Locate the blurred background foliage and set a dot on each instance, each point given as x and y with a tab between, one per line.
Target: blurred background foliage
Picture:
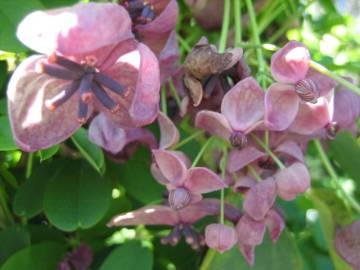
55	199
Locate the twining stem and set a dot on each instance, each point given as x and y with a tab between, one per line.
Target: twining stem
225	26
323	70
223	166
237	19
268	151
201	152
183	43
163	100
334	177
254	173
256	37
206	263
4	206
188	139
29	165
174	93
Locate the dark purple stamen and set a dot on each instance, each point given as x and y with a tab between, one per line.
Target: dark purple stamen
83	111
85	88
140	11
57	72
192	237
63	96
109	83
66	63
173	238
238	139
104	98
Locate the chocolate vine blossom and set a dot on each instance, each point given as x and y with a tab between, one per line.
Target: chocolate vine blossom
180	219
220	237
242	111
296	83
185	185
87	66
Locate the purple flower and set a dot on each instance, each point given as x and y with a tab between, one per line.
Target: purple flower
80	258
220	237
89	66
296	83
242	111
185	185
180	219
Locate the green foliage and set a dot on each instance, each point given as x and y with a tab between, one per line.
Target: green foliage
6	142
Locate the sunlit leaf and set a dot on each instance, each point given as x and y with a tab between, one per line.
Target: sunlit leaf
6	141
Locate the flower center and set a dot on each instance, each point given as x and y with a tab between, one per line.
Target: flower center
84	78
179	198
238	139
307	90
141	12
331	130
192	237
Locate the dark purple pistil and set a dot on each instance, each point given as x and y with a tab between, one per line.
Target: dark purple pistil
238	139
141	12
84	78
192	237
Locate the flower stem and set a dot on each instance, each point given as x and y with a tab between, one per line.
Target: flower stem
268	151
163	100
224	26
323	70
237	19
29	165
174	93
254	173
188	139
223	166
334	177
184	44
201	152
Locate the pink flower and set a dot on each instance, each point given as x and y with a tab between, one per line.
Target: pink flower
89	66
220	237
185	185
296	82
242	111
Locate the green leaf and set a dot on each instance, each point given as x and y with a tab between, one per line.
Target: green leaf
28	200
327	208
49	152
12	239
6	141
76	196
91	152
3	107
58	3
283	255
44	256
130	256
3	75
345	150
11	13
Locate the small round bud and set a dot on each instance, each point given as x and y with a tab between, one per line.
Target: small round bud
220	237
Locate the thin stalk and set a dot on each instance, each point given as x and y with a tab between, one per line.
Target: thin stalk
271	18
183	43
268	151
163	100
223	175
334	177
225	26
188	139
206	263
174	93
237	19
323	70
201	152
29	165
4	206
254	173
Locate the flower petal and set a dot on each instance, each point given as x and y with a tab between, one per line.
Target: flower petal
292	180
250	232
169	134
291	63
346	108
238	159
75	30
156	173
213	122
244	183
275	224
202	180
281	106
243	105
220	237
105	133
34	126
311	117
248	252
169	58
149	215
291	149
236	53
171	166
324	83
260	198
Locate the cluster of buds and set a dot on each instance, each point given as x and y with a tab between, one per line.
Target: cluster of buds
111	73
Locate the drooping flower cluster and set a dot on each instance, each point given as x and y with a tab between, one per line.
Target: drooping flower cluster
106	63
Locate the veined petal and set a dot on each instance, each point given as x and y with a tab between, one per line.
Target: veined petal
260	198
248	252
105	133
346	108
291	63
169	134
250	232
171	166
291	149
202	180
75	30
149	215
213	122
275	224
34	126
244	183
238	159
220	237
281	106
169	58
243	105
292	180
323	83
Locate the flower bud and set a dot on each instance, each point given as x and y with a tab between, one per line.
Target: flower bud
179	198
220	237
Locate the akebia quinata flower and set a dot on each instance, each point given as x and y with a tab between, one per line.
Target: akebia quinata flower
87	66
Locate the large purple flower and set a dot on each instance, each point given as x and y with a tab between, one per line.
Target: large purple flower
242	111
89	66
296	83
